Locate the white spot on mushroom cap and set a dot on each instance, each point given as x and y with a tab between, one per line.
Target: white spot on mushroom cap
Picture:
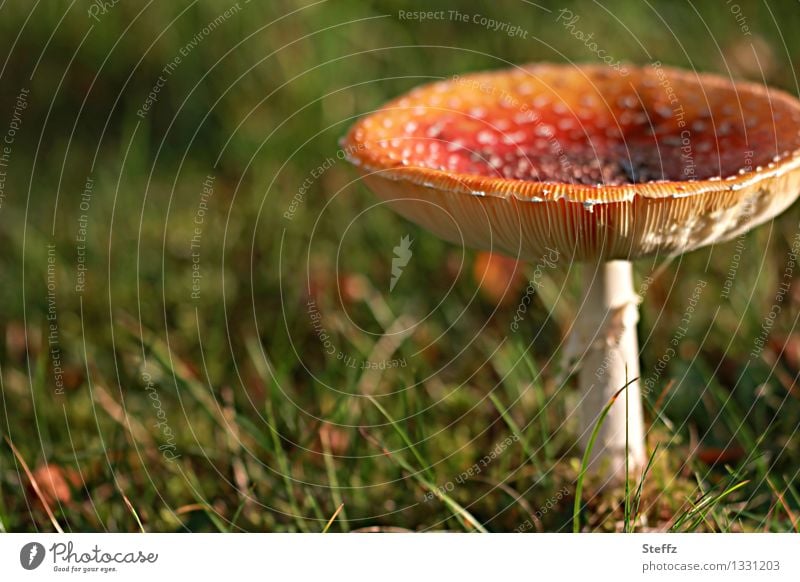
486	137
478	112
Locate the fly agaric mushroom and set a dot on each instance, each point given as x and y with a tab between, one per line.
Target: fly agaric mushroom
602	166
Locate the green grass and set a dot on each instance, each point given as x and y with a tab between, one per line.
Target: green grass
273	433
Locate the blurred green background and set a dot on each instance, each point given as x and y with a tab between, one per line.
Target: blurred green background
134	404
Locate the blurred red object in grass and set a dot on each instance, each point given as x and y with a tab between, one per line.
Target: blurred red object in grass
56	483
498	277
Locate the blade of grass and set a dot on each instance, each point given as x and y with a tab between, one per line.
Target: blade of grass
333	480
283	461
544	429
637	497
460	512
792	490
311	502
333	517
4	521
236	515
698	511
403	436
736	421
202	504
515	430
263	369
35	486
789	513
576	519
133	511
627	508
516	497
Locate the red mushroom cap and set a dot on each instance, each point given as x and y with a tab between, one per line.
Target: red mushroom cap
588	160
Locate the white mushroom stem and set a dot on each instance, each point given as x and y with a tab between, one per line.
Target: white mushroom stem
605	332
